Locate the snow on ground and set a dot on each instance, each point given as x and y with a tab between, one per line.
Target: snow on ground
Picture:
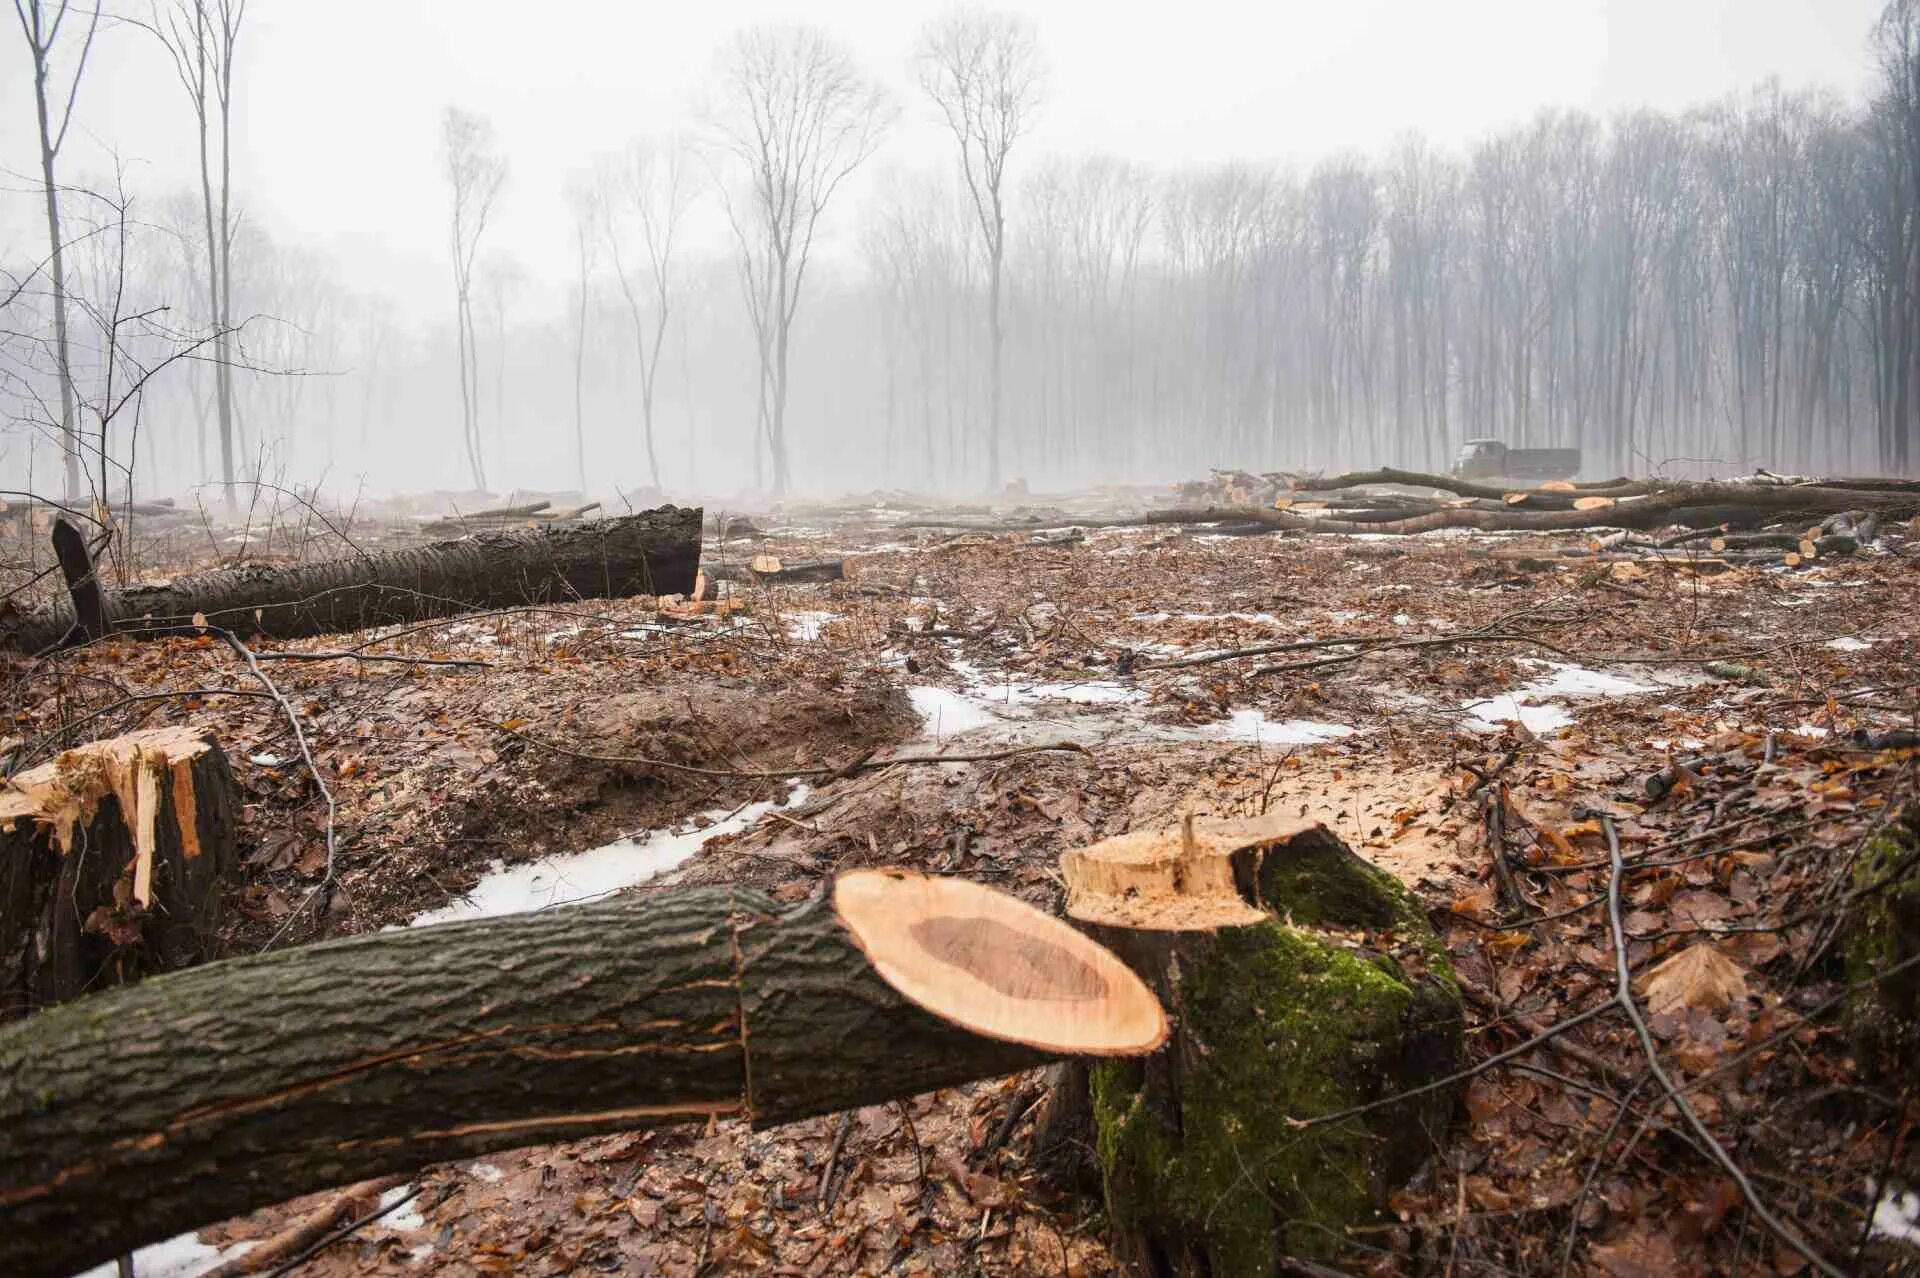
184	1256
596	872
1537	704
1896	1214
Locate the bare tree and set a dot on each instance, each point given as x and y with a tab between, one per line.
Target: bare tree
982	69
587	217
798	118
475	172
202	37
501	280
41	24
648	184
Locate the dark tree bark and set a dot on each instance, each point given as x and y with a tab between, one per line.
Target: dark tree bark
83	588
111	864
146	1111
654	552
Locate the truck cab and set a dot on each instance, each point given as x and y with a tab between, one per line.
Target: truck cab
1480	459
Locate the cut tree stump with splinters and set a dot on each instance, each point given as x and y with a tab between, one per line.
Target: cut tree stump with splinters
1302	982
656	552
139	1113
112	860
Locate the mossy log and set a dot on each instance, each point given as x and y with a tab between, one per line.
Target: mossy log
142	1112
1882	934
112	858
1301	982
653	552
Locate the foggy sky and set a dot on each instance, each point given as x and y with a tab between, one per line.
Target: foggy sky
339	101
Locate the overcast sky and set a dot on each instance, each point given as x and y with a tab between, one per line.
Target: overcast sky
340	100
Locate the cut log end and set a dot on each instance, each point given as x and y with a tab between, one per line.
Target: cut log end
996	965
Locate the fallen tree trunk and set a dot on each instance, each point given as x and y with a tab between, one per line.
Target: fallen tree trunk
770	569
143	1112
112	859
655	552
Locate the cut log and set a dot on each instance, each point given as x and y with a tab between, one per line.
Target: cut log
655	552
999	967
112	859
1302	982
139	1113
772	569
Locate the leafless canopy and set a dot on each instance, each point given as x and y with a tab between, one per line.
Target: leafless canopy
796	117
475	173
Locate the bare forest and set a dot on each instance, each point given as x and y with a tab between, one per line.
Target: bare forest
825	677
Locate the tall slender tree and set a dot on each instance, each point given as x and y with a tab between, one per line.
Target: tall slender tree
646	191
797	118
475	172
42	25
982	70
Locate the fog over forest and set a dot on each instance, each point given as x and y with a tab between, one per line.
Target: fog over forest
822	270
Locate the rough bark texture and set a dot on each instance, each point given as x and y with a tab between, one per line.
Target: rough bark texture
83	588
654	552
1883	936
143	1112
1340	997
111	864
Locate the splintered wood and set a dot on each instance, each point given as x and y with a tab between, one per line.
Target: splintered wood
110	861
1193	878
996	965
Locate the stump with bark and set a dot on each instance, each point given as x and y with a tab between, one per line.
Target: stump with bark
112	859
654	552
138	1113
1302	982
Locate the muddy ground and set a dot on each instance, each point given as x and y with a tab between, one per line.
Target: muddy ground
1569	684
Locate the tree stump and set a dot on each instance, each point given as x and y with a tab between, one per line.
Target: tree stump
1302	982
111	860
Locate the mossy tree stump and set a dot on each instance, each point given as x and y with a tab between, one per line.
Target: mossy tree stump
112	858
1883	932
1301	981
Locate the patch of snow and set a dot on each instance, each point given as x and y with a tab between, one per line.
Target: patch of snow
806	626
266	760
1532	703
184	1256
1848	643
1896	1213
947	713
596	872
405	1217
486	1173
1811	730
1402	619
1254	726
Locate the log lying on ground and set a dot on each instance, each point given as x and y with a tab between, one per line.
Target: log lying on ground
655	552
1302	982
773	569
112	859
143	1112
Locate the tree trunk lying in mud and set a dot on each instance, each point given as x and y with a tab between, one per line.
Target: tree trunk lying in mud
112	859
654	552
138	1113
1301	982
770	569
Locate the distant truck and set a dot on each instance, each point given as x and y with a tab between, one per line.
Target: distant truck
1491	459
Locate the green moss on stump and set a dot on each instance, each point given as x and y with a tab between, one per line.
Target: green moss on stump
1283	1020
1883	931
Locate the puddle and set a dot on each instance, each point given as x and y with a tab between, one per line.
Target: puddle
947	713
597	872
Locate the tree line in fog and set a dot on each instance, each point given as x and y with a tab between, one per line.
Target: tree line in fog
1734	286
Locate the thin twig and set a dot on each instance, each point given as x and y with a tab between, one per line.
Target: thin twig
1623	998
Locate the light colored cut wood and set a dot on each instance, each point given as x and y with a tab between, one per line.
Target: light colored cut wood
1172	880
996	965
